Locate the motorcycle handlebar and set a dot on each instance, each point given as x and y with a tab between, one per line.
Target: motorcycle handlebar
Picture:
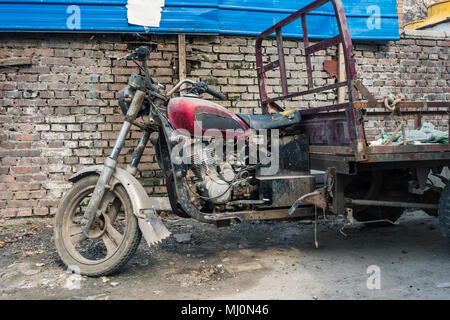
142	53
216	94
128	56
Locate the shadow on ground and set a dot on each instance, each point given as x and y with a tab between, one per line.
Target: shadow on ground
258	260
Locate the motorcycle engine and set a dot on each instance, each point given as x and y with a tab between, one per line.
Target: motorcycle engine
218	181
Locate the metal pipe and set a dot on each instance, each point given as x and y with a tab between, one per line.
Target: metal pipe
380	203
131	115
97	195
110	164
120	140
132	167
178	85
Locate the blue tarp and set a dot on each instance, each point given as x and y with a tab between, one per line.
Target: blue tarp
372	20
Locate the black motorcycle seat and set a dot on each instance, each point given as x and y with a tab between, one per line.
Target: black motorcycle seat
270	121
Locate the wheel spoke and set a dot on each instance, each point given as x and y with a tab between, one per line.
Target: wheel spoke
111	247
110	206
113	211
113	233
76	234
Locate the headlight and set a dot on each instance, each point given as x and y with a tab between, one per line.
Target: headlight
126	94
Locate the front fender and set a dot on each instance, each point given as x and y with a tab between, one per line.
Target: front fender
143	205
139	198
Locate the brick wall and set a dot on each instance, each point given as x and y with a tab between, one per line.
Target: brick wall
61	113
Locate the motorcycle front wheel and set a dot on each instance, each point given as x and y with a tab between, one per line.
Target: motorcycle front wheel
113	238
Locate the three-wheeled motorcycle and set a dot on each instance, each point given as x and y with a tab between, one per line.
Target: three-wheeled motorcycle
223	167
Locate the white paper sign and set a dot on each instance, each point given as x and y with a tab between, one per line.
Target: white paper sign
144	12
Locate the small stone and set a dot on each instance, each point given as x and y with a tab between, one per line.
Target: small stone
249	266
183	237
114	284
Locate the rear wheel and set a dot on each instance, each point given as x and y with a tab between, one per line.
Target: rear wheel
378	185
112	239
172	194
444	212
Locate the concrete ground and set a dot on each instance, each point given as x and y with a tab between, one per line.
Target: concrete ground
259	260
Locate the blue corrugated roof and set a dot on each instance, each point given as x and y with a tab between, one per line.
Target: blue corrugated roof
245	17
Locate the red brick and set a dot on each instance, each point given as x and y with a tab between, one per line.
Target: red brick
25	170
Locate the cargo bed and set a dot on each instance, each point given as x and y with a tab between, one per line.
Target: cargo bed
338	141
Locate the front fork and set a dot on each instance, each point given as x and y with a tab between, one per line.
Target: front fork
110	164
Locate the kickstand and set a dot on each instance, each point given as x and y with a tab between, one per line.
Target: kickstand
316	243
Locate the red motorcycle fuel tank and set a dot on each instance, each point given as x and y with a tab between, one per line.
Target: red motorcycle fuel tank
197	116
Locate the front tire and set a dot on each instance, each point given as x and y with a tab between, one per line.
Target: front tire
113	238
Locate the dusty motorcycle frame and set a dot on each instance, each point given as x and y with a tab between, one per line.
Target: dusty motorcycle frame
344	158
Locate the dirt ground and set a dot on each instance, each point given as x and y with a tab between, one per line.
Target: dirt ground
258	260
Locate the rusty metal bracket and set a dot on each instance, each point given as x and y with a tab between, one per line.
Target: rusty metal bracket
372	102
317	198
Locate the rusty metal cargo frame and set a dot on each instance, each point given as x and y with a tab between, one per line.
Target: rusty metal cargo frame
353	112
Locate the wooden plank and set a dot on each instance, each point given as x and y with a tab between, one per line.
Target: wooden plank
14	61
182	56
437	147
341	73
333	150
